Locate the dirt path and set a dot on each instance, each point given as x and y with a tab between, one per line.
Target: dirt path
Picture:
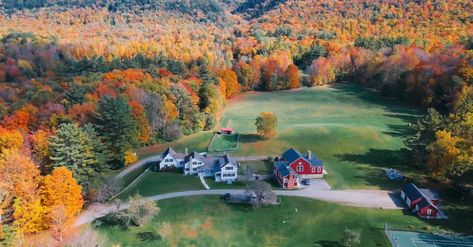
358	198
137	165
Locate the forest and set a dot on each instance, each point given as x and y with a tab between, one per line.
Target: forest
84	83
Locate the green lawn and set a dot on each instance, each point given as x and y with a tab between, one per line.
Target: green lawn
259	166
354	131
153	183
221	143
131	176
206	221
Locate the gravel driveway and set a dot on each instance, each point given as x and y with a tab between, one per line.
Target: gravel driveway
358	198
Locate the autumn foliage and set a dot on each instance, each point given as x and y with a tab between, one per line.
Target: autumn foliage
100	81
60	188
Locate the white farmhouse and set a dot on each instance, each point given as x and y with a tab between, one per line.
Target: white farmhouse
223	168
170	159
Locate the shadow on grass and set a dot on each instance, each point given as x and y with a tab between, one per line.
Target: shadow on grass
396	130
148	236
382	158
396	197
391	104
327	243
250	138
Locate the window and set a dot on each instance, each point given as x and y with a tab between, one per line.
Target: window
429	211
228	168
300	168
313	169
187	169
206	170
194	169
168	160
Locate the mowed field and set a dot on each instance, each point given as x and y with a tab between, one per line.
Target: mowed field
355	132
207	221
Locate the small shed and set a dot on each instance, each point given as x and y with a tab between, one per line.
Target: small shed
226	131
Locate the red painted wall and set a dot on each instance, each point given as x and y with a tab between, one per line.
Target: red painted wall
291	181
414	203
423	211
307	168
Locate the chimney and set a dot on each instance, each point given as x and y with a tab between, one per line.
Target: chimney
309	155
186	151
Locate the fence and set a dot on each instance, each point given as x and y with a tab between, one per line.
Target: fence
255	177
252	158
392	239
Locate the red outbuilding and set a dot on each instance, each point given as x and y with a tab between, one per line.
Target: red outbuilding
226	131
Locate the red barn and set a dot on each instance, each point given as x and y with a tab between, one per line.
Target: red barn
423	202
306	166
413	195
293	166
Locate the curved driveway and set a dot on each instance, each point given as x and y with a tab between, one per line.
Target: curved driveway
358	198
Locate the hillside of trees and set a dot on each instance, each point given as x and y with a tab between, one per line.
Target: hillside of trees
98	79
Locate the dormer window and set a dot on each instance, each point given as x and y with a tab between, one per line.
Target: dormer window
229	168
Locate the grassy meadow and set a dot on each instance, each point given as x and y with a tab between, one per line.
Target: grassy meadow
207	221
223	143
354	131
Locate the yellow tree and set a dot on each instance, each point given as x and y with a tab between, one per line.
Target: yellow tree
231	82
28	215
266	124
60	188
292	74
442	152
19	179
10	139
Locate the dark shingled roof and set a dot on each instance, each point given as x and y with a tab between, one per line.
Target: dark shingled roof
281	166
173	153
291	155
431	194
193	155
168	150
425	202
412	192
225	159
316	162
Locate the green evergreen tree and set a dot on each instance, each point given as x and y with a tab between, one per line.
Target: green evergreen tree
114	121
70	147
101	152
